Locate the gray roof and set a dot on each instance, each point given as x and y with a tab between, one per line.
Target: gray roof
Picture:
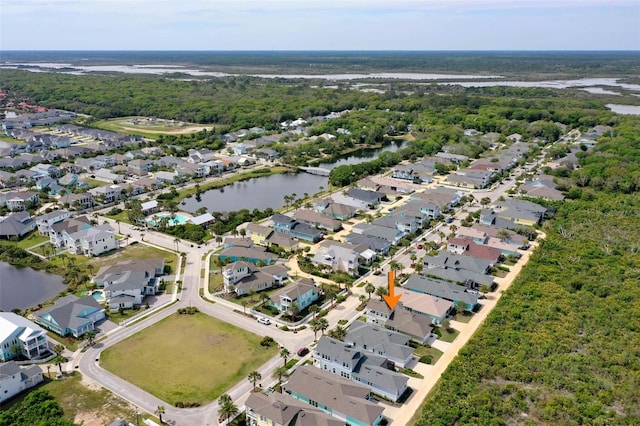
293	291
16	224
460	276
248	253
379	340
374	243
280	218
282	240
442	289
70	312
340	395
364	195
389	234
409	323
287	411
448	260
128	280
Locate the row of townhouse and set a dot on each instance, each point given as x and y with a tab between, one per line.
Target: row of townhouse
313	396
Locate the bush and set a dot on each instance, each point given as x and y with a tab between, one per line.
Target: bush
267	341
425	359
284	328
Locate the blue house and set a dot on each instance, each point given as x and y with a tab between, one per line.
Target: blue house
248	254
71	316
290	226
302	292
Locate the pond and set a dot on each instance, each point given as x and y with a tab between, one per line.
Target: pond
258	193
25	287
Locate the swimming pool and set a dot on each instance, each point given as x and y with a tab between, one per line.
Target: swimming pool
177	220
98	295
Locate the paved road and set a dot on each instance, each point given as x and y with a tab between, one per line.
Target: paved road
224	310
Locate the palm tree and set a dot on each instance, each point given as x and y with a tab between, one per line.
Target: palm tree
254	377
160	411
395	266
382	291
59	360
279	373
293	310
362	298
118	223
503	235
314	310
224	398
284	353
176	241
91	335
338	333
142	236
324	324
369	288
227	408
315	327
244	302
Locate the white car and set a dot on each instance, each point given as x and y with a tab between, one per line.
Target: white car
263	320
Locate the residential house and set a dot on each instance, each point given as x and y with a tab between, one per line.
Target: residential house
162	177
14	379
521	212
390	185
455	158
277	409
237	242
126	284
150	207
71	316
47	220
371	198
467	247
106	194
398	222
20	337
441	289
70	225
301	292
377	244
19	201
445	198
91	242
335	210
283	241
432	309
338	397
16	225
392	235
258	234
204	219
242	278
470	279
317	220
448	260
79	201
338	258
290	226
507	236
414	172
380	341
373	371
248	254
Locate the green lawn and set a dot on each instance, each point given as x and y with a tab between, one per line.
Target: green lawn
434	353
447	336
30	240
187	358
94	183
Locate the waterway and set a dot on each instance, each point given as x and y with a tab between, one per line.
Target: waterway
269	191
25	287
258	193
624	109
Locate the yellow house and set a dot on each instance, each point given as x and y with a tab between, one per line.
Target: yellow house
259	234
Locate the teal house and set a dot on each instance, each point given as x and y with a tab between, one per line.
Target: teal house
340	398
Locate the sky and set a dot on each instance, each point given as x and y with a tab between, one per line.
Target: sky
320	25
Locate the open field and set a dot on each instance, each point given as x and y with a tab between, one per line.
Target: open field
164	366
124	125
85	403
33	239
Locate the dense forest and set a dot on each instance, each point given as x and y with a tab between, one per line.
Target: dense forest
504	62
563	344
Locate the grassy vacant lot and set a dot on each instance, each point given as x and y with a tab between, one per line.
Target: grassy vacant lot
31	240
122	125
187	358
87	404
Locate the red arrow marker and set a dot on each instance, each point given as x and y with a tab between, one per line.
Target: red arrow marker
391	299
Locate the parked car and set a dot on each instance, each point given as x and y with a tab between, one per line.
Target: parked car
303	351
419	246
449	219
263	320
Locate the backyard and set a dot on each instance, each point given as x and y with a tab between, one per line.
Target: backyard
164	366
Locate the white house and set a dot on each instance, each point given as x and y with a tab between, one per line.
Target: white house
91	242
45	221
14	379
21	337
